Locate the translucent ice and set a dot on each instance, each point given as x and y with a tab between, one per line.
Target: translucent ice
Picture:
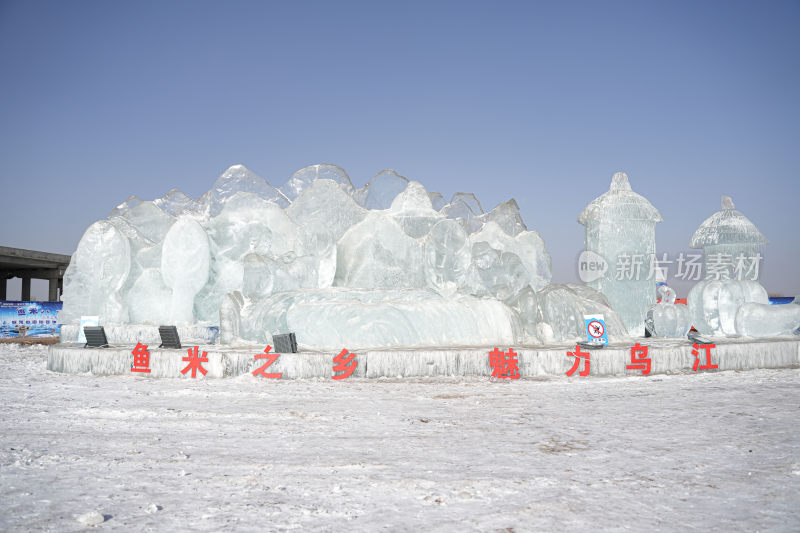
377	254
97	271
666	318
324	207
470	200
247	224
465	211
562	308
447	257
125	206
250	221
620	227
144	252
413	210
713	304
496	274
507	216
730	244
765	320
258	280
527	245
236	179
150	222
185	260
333	318
381	190
437	200
526	305
389	246
148	298
176	203
303	178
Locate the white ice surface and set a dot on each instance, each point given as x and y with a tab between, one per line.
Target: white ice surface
699	452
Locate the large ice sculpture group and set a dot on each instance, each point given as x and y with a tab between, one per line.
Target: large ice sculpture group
387	265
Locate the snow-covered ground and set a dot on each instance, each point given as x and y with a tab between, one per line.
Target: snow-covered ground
687	452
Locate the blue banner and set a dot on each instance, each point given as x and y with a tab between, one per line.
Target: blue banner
29	319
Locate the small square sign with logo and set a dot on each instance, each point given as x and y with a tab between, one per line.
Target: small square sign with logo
596	329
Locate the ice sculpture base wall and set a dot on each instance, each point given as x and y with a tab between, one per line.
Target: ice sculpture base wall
667	355
146	334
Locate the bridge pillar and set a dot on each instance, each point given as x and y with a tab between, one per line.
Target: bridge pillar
26	289
52	295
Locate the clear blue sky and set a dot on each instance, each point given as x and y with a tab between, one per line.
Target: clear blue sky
540	101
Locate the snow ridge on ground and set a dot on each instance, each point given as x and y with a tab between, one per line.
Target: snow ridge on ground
711	452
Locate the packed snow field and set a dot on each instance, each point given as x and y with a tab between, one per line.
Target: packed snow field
714	451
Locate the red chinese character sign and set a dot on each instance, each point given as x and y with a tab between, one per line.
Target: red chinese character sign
504	364
696	353
639	359
345	362
271	358
579	355
141	358
195	362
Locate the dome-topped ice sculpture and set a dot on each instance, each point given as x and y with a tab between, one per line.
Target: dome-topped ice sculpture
620	227
730	243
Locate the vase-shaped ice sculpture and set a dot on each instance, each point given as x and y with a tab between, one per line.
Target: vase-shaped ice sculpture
620	227
730	244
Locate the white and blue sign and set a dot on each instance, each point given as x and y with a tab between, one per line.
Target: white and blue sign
29	319
596	329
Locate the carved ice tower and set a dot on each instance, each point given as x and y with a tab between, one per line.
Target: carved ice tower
730	244
620	227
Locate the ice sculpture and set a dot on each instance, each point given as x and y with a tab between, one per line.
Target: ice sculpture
305	177
377	254
729	308
507	216
386	265
561	309
765	320
333	318
238	179
147	299
713	304
176	203
527	245
495	274
413	210
447	257
666	318
97	271
325	207
381	191
184	267
125	206
730	244
620	227
437	200
466	209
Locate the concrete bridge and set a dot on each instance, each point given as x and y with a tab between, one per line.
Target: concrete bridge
29	264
